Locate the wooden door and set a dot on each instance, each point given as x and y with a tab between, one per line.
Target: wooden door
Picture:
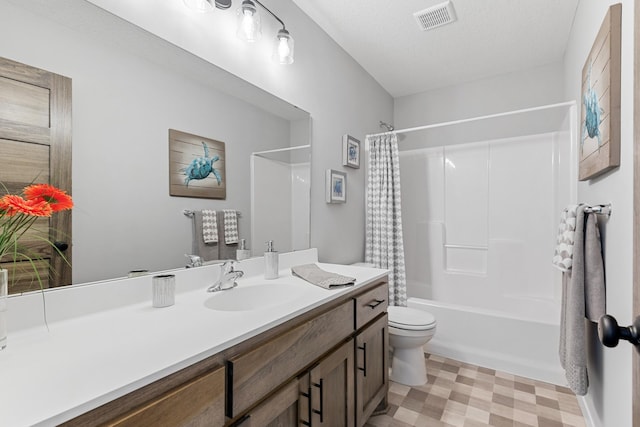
35	147
372	347
332	389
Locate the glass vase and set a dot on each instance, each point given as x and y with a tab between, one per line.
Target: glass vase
4	288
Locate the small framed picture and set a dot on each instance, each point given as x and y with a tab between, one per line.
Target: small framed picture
336	186
350	152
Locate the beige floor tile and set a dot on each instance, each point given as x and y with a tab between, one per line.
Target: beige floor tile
406	415
462	395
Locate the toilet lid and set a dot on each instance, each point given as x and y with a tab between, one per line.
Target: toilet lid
410	318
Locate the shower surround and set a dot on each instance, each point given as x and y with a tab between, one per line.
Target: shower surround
480	220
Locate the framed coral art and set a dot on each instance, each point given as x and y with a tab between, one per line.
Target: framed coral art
196	166
336	186
599	145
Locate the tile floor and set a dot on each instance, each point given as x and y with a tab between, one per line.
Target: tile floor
462	395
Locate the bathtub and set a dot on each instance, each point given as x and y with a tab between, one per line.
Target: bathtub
495	340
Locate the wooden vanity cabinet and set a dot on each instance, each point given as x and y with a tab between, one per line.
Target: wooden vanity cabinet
282	408
199	402
372	367
332	391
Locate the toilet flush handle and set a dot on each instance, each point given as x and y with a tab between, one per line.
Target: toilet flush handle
610	333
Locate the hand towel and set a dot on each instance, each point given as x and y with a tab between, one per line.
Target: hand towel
582	296
209	226
563	256
207	252
594	281
230	226
314	274
226	250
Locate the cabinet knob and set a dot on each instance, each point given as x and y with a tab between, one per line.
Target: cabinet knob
610	333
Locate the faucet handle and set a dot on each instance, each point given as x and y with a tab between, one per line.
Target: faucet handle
194	260
228	266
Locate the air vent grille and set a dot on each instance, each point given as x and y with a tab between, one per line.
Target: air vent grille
435	16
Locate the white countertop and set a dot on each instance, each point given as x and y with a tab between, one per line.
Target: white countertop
89	358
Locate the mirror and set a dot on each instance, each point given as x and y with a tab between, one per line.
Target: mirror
129	88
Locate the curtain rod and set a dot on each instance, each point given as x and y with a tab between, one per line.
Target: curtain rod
473	119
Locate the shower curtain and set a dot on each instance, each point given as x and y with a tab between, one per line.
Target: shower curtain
384	246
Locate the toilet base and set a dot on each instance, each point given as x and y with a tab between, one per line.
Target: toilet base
408	366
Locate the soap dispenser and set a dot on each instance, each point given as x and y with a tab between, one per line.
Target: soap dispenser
270	262
242	252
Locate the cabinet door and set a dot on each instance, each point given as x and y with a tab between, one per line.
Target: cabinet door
279	410
372	347
332	389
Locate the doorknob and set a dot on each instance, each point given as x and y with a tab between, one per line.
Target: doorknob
610	333
61	246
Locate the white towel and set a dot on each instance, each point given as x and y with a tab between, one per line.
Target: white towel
563	256
230	226
209	227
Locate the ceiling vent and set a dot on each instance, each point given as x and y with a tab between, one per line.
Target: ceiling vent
436	16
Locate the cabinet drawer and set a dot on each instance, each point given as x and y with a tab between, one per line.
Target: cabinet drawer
371	303
199	402
253	375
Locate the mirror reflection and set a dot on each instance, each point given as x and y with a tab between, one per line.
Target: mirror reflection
129	88
280	198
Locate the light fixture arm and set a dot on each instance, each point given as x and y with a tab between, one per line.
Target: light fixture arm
271	13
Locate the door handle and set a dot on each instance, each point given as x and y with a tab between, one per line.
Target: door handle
61	246
610	333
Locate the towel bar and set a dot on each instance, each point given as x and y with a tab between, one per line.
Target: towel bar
190	213
599	209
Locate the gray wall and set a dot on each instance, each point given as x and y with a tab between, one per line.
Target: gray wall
506	92
609	398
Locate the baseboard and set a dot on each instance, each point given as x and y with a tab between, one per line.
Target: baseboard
587	412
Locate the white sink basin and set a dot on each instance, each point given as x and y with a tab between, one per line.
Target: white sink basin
254	297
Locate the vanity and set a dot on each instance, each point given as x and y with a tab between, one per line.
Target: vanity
278	352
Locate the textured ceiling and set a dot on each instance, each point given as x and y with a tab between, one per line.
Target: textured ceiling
490	37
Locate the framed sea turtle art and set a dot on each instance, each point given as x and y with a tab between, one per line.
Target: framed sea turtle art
196	166
599	133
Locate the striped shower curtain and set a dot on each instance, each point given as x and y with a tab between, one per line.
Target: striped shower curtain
384	246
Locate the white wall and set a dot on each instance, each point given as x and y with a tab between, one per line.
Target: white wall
609	396
324	80
505	92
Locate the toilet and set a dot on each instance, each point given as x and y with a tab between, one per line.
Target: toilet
409	330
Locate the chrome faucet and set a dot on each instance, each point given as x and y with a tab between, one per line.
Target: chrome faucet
228	277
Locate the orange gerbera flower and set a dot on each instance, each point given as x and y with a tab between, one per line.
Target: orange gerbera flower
13	205
57	199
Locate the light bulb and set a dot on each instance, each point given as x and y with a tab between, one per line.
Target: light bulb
248	22
283	50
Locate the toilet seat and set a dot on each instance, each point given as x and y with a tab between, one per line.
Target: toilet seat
410	319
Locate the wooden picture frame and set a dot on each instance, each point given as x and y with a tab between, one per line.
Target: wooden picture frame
196	166
350	152
599	144
336	186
